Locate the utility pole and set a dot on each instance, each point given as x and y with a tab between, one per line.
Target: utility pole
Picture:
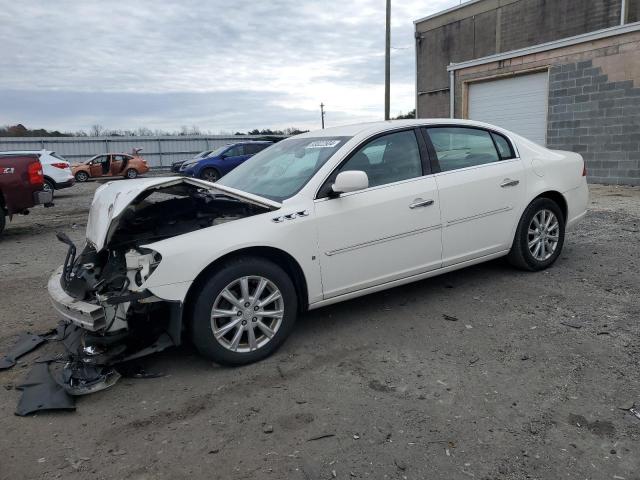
322	114
387	64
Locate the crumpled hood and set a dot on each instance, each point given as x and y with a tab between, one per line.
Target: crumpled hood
111	199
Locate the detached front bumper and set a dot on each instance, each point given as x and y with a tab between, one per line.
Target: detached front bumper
89	316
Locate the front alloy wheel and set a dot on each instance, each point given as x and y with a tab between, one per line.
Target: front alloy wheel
82	177
243	311
247	314
210	175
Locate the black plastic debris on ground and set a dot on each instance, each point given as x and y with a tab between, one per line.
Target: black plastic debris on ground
41	392
82	369
25	344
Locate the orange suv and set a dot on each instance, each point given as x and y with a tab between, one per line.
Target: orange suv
110	165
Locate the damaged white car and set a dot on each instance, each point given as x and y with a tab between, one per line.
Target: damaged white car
315	219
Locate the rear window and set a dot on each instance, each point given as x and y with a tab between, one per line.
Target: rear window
505	150
59	157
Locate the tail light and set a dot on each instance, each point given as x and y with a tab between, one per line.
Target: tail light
34	172
61	165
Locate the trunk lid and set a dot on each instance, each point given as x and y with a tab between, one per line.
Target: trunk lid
111	200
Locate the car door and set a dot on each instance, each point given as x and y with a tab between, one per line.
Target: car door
386	232
117	164
95	167
480	184
234	157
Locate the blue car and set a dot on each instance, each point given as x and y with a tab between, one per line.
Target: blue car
222	160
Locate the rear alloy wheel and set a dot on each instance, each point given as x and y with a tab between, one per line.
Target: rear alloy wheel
132	173
539	237
210	175
244	312
82	177
48	187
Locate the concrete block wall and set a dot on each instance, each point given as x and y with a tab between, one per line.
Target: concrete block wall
598	117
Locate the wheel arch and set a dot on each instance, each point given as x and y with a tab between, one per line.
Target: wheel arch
275	255
211	166
558	198
48	178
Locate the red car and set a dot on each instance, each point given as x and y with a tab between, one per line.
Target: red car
21	185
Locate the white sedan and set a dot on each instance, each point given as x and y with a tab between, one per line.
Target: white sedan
312	220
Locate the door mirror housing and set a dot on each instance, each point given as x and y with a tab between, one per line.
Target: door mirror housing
350	181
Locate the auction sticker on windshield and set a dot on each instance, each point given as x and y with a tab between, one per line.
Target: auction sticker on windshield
323	144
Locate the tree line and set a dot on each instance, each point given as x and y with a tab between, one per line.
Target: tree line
20	130
98	130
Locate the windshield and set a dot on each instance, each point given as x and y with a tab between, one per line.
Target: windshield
202	154
280	171
217	151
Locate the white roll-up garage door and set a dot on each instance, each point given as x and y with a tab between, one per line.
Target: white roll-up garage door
517	103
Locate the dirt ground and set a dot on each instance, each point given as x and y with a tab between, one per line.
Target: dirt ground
526	376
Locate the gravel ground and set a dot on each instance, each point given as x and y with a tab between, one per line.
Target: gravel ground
483	373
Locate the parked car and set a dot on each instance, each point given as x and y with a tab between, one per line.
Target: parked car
56	169
21	185
316	219
110	165
175	166
222	160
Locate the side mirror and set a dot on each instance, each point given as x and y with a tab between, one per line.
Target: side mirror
350	181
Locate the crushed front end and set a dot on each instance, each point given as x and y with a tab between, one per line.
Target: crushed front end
101	291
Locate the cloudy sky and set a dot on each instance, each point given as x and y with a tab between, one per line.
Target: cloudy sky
219	65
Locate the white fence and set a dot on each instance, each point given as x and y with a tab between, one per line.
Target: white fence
159	151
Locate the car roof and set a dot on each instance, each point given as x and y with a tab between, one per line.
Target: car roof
32	152
382	126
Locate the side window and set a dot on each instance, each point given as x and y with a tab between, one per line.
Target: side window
250	149
235	151
388	159
460	147
505	150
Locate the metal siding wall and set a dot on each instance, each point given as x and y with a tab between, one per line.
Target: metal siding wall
159	151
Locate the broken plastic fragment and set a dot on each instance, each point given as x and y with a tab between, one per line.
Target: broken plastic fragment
26	343
41	392
81	378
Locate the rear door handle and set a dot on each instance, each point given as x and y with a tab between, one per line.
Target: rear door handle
421	203
509	183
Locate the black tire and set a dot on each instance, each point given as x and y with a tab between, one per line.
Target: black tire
520	255
3	220
201	322
49	187
82	177
131	173
210	175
